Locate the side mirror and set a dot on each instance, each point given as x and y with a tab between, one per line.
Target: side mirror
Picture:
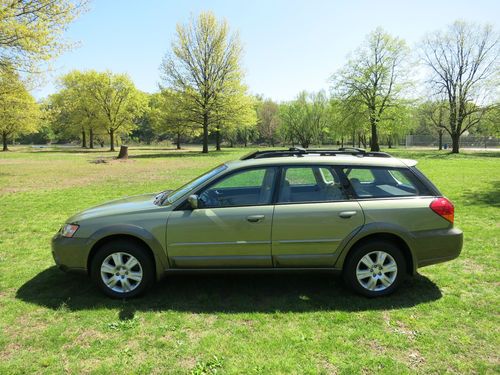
193	201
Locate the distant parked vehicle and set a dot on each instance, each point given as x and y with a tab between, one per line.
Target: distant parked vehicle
373	217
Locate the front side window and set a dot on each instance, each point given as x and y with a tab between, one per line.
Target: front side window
246	188
379	182
310	184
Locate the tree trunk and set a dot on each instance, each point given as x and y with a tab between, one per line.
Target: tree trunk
440	145
353	138
205	133
389	142
246	142
374	146
111	140
84	139
455	139
91	138
217	139
123	154
4	140
178	141
304	144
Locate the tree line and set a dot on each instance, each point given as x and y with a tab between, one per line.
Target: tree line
202	96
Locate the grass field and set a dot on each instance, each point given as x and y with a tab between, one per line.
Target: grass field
444	320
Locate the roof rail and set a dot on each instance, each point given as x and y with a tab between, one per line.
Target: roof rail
299	152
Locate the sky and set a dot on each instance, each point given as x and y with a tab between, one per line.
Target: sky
289	46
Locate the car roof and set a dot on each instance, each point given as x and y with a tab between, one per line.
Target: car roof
308	159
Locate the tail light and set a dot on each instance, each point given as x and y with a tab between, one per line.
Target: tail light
444	208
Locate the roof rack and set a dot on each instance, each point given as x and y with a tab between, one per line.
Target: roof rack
299	152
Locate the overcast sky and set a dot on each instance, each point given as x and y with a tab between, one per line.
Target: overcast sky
289	45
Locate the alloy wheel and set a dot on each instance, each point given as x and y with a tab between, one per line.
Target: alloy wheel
121	272
376	271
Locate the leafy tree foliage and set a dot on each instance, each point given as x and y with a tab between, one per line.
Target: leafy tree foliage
374	77
118	102
462	62
74	109
97	102
31	30
204	68
304	119
268	121
19	113
169	117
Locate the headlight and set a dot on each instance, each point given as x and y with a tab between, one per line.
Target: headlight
68	230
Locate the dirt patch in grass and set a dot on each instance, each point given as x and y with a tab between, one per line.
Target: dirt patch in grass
10	350
414	359
187	363
327	367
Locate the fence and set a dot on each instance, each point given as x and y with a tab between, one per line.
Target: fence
465	141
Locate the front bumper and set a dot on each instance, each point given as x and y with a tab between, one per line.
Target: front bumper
437	246
70	254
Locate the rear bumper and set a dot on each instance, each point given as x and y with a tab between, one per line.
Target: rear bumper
436	246
70	254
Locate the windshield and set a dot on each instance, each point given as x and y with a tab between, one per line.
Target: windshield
176	194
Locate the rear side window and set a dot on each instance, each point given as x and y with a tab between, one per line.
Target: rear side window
310	184
378	182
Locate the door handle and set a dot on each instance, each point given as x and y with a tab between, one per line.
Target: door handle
255	218
347	214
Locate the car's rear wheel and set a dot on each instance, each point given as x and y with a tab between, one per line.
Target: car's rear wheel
375	268
122	269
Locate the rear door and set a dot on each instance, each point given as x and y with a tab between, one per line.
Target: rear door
312	217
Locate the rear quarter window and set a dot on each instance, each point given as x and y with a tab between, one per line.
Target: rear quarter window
381	182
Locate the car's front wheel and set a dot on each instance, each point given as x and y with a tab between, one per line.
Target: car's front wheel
375	268
122	269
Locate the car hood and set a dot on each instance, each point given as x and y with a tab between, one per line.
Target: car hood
128	205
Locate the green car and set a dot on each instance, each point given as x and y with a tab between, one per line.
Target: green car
373	217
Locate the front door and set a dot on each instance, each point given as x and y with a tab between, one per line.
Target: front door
232	226
312	217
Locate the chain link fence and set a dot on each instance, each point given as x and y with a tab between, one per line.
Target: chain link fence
465	141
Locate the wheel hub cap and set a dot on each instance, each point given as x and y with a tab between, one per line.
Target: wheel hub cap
376	271
121	272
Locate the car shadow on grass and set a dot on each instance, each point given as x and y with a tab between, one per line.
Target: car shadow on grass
485	197
224	293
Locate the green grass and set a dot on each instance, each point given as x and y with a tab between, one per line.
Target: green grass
444	320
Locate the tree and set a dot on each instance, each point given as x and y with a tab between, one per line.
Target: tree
461	62
435	112
397	121
74	108
374	77
304	119
268	121
117	100
19	113
349	118
236	115
168	116
30	30
204	67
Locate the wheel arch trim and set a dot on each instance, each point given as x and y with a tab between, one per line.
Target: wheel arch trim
136	232
386	231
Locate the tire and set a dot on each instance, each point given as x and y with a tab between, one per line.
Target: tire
383	276
122	269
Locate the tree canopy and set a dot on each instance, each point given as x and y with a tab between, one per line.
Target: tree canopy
374	77
204	69
463	64
31	31
19	113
